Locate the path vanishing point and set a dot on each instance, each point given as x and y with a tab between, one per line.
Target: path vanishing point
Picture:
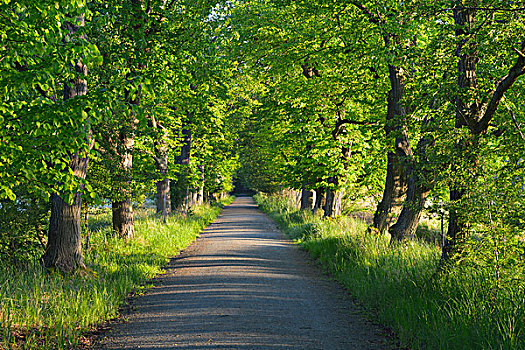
242	285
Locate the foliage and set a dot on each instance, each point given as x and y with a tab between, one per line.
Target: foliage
41	310
279	95
37	56
23	224
464	308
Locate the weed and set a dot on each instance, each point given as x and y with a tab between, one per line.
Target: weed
51	311
400	285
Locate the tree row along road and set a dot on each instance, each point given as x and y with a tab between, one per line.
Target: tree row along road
242	286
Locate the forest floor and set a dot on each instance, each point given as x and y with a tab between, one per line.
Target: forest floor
242	285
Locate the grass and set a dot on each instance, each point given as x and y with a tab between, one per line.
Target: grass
50	311
401	286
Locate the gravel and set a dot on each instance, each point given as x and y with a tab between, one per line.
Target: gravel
242	285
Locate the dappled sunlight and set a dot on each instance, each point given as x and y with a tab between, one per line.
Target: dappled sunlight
242	286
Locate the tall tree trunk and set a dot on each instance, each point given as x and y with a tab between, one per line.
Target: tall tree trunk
395	183
333	204
163	186
329	203
319	199
338	203
200	189
306	199
122	218
458	228
406	225
184	160
122	208
163	200
475	109
331	199
163	197
466	109
64	246
395	188
418	187
456	233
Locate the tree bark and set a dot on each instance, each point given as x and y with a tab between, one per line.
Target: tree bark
163	197
457	232
184	160
319	199
406	225
338	203
306	199
395	187
331	206
419	185
466	109
329	203
200	189
122	218
395	182
64	246
163	200
122	207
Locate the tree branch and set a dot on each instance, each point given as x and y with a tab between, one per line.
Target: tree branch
516	123
341	122
502	86
371	17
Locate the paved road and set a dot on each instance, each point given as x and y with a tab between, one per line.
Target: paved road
241	285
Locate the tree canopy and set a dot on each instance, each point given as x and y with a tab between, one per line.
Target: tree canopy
401	107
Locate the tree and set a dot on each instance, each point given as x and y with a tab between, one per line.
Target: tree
477	102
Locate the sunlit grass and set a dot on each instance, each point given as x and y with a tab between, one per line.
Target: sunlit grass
50	311
402	287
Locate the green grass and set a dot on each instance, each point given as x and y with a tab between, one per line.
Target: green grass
400	285
50	311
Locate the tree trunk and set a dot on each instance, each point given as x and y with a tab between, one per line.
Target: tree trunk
184	160
200	189
123	218
466	109
333	203
395	183
457	230
306	199
163	197
395	189
319	199
163	186
474	109
338	203
64	246
163	200
330	208
418	187
329	203
406	225
122	208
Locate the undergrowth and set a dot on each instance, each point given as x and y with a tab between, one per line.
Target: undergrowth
51	311
401	285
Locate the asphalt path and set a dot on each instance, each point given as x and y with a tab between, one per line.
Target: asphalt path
242	285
